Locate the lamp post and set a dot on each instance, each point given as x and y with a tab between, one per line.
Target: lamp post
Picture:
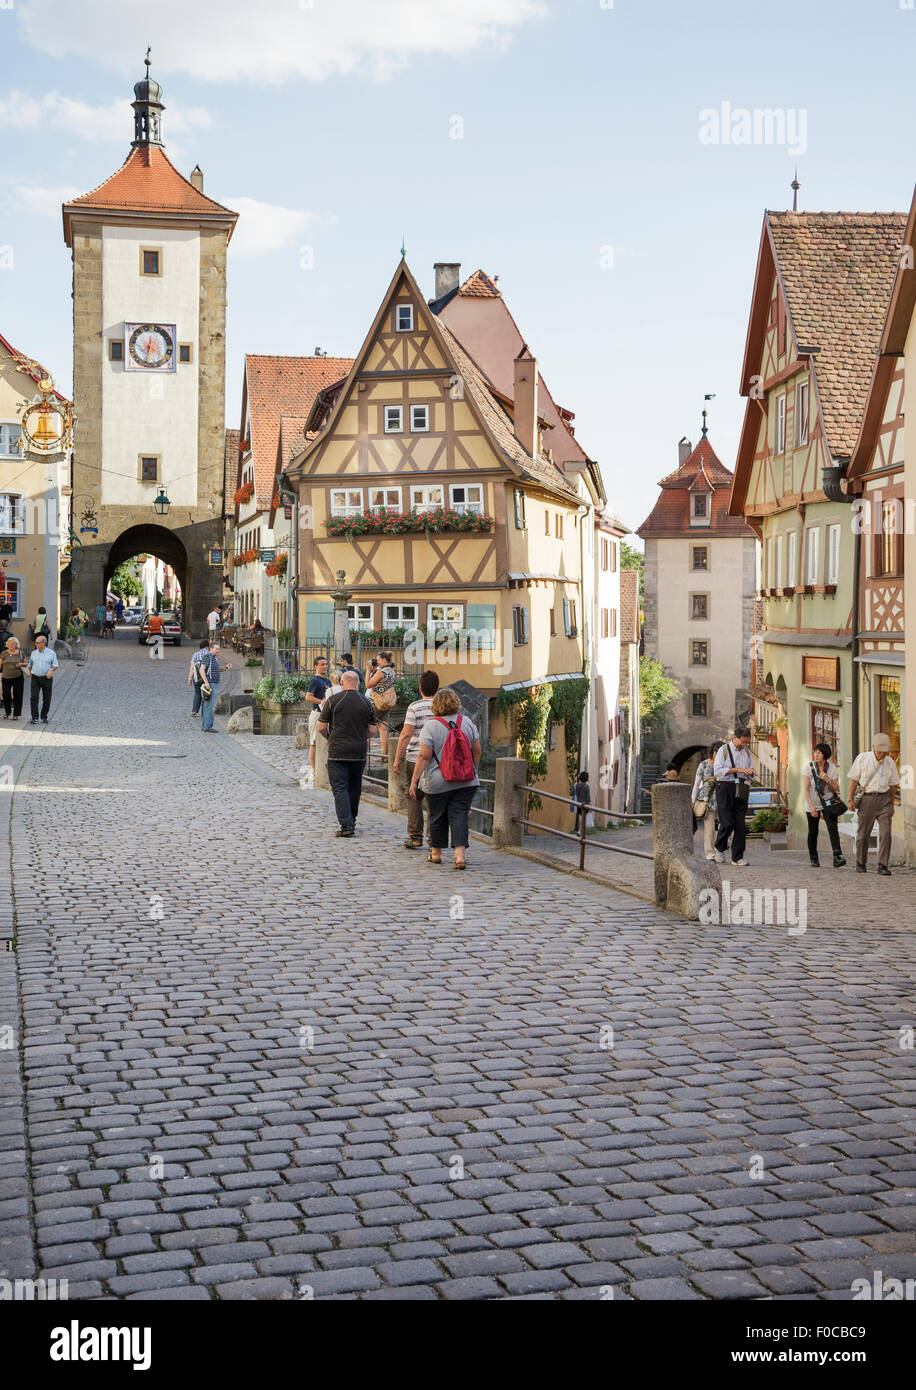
292	554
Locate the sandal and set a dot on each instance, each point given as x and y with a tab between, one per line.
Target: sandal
461	864
431	860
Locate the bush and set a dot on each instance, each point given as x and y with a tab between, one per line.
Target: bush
772	818
265	688
254	661
289	689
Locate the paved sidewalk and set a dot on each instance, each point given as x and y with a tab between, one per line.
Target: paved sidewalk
261	1062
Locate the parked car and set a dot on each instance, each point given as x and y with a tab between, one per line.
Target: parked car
171	629
762	797
132	615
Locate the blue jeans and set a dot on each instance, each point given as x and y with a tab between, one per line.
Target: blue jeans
195	699
207	707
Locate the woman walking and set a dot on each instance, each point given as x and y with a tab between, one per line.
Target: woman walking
12	665
822	787
449	801
704	795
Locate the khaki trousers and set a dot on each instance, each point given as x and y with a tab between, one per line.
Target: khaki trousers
875	806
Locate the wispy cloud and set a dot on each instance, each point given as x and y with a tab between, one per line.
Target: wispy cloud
264	227
273	41
53	111
43	201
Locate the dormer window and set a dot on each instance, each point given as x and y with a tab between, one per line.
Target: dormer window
700	508
403	318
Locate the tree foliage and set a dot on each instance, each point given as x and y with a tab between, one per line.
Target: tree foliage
124	582
656	692
632	559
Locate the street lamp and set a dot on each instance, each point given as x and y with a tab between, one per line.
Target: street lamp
162	503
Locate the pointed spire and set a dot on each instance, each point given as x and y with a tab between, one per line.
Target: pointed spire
148	109
403	246
795	186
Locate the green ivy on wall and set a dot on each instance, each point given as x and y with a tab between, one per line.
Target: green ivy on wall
567	705
529	713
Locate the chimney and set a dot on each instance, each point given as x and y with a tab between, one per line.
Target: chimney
197	178
526	401
448	277
684	450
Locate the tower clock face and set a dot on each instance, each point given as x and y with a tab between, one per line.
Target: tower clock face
151	347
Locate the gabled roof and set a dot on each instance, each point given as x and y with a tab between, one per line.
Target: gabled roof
281	386
836	270
890	346
491	415
147	181
701	471
29	371
230	469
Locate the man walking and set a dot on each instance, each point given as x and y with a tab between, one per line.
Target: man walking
415	717
12	665
42	664
154	629
213	622
872	779
734	771
315	696
209	671
347	721
194	676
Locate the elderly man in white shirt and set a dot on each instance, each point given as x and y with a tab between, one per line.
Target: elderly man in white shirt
874	776
733	766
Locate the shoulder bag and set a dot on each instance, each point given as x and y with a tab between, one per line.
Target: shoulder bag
833	806
742	789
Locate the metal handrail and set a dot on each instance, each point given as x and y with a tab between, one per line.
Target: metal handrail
583	805
581	841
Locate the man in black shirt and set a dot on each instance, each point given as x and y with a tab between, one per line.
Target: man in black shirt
347	721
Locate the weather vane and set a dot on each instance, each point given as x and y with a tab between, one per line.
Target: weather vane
710	396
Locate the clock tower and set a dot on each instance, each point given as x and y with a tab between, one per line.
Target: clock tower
149	355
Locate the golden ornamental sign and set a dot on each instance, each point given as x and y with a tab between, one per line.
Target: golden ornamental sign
46	420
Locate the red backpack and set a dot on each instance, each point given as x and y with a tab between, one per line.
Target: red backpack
457	761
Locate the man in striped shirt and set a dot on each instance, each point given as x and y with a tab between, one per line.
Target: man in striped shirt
415	717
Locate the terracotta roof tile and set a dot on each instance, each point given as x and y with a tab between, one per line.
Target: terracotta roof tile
671	514
837	269
629	606
147	181
480	286
282	386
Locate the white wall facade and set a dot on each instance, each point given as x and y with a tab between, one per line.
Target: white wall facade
607	666
150	412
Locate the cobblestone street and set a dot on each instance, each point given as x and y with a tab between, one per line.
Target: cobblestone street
259	1061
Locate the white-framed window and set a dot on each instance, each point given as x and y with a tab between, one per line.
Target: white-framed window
801	413
519	499
384	499
346	501
779	562
570	625
445	617
10	436
360	616
769	563
833	554
466	497
419	419
394	419
812	551
13	588
403	318
428	497
791	560
700	509
520	627
12	520
781	424
400	615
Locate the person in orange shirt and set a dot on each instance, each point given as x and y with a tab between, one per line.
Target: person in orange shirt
155	627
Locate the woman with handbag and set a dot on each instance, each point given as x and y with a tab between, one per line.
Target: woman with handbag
703	799
380	686
823	803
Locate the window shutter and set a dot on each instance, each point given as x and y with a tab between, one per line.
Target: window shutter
319	622
524	625
566	623
481	618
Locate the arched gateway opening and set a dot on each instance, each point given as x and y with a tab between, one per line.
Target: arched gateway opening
152	540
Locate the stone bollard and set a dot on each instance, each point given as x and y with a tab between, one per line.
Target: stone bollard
397	781
302	733
508	803
321	763
679	877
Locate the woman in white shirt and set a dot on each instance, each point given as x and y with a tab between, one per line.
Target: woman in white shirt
822	783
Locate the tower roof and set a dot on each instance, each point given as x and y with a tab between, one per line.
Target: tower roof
147	182
701	471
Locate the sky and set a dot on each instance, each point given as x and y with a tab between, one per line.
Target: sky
590	153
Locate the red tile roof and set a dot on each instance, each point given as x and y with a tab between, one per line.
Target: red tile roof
147	181
670	516
837	270
480	286
30	371
277	387
629	606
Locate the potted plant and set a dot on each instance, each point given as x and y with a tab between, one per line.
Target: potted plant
770	822
251	673
281	703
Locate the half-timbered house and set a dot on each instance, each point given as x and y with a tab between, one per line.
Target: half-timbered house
820	296
881	479
436	499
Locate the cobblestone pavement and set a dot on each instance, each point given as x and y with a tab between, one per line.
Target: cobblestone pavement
835	897
261	1062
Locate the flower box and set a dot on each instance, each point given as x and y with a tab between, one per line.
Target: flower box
244	494
278	717
245	557
391	523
